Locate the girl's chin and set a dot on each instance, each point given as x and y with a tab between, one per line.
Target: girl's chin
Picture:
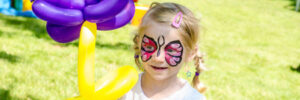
160	76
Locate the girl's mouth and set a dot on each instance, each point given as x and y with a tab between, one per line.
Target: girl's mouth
159	68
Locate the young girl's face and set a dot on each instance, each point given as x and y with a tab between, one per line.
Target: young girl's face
162	51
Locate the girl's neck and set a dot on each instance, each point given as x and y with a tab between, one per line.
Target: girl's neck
157	88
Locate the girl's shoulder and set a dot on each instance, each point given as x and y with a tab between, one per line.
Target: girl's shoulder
191	93
186	93
136	93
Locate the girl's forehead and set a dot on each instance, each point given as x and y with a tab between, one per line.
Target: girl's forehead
155	30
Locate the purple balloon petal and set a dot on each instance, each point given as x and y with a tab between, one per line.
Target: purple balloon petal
57	15
65	17
120	20
63	34
89	2
55	2
104	10
73	4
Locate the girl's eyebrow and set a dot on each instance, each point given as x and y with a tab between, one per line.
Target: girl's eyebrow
175	42
149	37
164	43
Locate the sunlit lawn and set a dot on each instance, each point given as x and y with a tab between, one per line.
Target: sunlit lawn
250	46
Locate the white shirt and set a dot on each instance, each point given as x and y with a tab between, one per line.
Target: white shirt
187	92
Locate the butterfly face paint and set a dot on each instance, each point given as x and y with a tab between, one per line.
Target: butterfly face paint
148	48
173	53
173	50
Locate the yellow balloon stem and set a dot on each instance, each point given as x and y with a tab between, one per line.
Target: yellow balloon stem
113	85
86	59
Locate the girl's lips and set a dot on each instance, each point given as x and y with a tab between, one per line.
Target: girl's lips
159	68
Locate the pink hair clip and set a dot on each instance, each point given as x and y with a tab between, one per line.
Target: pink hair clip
175	23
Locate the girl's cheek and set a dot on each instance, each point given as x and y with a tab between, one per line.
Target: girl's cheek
146	53
168	59
176	59
145	56
171	60
174	53
179	49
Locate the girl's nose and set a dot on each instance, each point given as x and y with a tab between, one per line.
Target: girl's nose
159	57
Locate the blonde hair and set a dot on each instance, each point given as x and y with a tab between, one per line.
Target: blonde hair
189	30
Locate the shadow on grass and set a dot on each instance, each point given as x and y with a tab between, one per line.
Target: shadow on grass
34	25
1	32
38	28
5	95
9	57
297	69
292	5
6	33
120	45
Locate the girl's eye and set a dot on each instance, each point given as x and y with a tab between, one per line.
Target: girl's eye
170	50
149	48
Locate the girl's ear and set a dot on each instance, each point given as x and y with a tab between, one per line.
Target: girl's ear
192	54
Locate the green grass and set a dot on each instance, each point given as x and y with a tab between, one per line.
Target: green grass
250	46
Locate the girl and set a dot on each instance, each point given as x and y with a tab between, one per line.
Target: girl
167	38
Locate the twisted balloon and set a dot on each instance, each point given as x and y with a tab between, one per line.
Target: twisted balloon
65	17
69	19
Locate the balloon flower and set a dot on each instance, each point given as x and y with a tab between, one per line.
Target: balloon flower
68	20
